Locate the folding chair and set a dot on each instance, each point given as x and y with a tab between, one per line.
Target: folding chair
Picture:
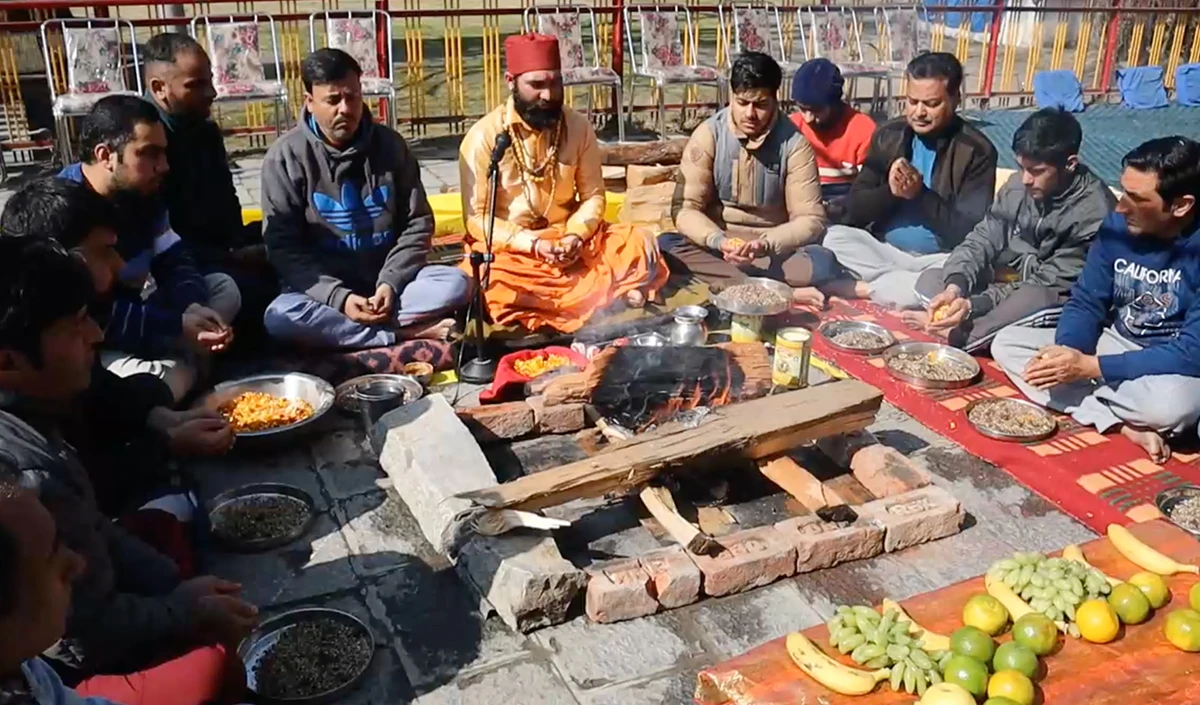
835	36
759	28
356	32
237	60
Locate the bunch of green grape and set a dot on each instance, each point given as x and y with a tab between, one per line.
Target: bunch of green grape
1052	586
883	641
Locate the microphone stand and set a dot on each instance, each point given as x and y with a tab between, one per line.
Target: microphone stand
482	368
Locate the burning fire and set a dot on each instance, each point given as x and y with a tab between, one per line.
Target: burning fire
639	387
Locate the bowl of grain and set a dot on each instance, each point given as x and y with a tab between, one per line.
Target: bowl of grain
1181	505
275	406
307	656
755	296
1013	420
859	337
930	365
261	516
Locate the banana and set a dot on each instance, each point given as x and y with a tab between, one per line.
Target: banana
1075	553
1143	555
1017	608
930	641
829	673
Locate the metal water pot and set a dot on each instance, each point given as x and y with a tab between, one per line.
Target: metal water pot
689	327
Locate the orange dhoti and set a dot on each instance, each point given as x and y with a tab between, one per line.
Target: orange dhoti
616	260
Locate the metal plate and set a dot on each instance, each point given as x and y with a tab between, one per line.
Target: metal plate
347	402
266	634
833	328
942	352
725	303
1029	438
260	489
1168	500
292	385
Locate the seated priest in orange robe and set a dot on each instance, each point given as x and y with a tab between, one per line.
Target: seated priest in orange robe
557	263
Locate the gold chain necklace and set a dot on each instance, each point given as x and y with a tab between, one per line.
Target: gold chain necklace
537	174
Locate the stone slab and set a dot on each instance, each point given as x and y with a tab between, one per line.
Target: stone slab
382	534
562	418
886	472
914	517
293	467
430	457
675	579
751	559
672	689
619	590
499	422
820	544
523	576
523	683
739	623
345	464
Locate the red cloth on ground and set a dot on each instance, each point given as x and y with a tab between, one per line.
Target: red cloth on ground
531	52
510	384
842	143
166	534
205	675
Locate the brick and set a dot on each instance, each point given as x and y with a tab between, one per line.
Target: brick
675	578
751	559
563	418
498	422
841	448
619	590
915	517
820	544
886	472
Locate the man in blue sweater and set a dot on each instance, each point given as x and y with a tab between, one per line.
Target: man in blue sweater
1126	353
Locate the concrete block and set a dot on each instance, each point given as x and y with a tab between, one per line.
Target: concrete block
523	576
751	559
498	422
430	457
619	590
675	578
886	472
820	544
915	517
637	175
563	418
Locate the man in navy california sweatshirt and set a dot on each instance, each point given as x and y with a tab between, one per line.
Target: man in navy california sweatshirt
1126	353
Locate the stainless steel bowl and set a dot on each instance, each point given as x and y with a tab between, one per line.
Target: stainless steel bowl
724	302
292	385
1013	437
833	328
266	634
346	393
259	489
940	352
649	340
1169	499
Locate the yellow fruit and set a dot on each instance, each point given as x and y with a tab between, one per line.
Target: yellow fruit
1144	556
1194	597
1097	621
930	641
833	675
969	641
985	613
1012	685
1182	629
1036	632
1017	608
1130	604
967	672
946	694
1153	587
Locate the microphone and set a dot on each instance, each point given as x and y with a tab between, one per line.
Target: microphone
503	142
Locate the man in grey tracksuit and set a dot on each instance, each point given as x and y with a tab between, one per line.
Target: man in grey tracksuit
1019	262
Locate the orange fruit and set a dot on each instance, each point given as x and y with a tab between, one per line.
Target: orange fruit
1130	603
969	674
1153	587
1036	632
1097	621
1182	629
1011	656
985	613
973	642
1012	685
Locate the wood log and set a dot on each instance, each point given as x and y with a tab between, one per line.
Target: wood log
567	389
799	483
663	152
661	504
756	429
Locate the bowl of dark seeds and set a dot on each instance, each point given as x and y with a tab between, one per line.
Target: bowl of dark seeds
307	656
261	516
1011	420
756	296
857	336
1182	506
930	365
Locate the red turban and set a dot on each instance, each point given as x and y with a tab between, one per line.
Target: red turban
531	52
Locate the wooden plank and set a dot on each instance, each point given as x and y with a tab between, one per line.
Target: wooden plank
645	153
661	505
799	483
1139	667
849	489
756	429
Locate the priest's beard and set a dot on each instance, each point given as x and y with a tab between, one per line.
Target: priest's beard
538	114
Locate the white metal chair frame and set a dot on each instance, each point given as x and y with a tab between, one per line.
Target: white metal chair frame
639	68
378	16
62	135
878	76
532	13
280	99
884	17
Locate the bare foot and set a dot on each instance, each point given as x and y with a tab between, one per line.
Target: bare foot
439	330
635	299
915	319
1150	442
808	296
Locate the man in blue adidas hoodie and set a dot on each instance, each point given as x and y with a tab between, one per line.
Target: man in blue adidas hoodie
348	226
1126	353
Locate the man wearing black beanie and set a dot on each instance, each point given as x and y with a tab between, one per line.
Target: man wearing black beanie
839	134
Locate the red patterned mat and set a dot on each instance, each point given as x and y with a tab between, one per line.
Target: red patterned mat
1098	479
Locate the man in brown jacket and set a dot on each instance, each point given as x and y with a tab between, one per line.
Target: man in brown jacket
749	198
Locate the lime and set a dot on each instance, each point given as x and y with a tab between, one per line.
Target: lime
985	613
1011	656
1194	597
1097	621
1130	603
973	642
1012	685
1153	587
1182	629
998	701
968	673
1036	632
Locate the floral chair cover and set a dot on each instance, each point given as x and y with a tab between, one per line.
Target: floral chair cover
575	68
357	37
758	30
834	32
237	62
93	57
906	36
662	51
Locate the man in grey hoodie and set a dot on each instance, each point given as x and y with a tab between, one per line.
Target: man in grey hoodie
348	226
1018	263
